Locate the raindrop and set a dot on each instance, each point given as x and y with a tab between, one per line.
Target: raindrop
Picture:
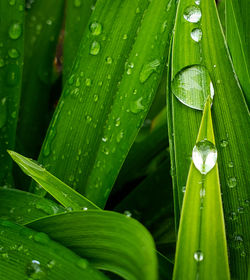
192	14
13	53
51	264
204	156
230	164
192	86
12	75
15	30
3	112
117	122
127	213
232	182
108	60
183	189
88	119
88	82
148	69
136	106
223	143
81	263
77	3
196	34
95	28
12	2
119	136
198	256
95	48
71	79
35	271
197	2
125	37
96	97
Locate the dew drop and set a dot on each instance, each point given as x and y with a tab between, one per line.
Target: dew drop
12	75
117	122
232	182
47	146
119	136
198	256
95	28
204	156
108	60
148	69
12	2
88	82
223	143
81	263
196	34
125	37
13	53
95	48
192	14
197	2
51	264
96	97
192	86
15	30
136	106
35	271
127	213
3	112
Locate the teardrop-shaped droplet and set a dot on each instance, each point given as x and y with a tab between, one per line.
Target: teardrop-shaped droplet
95	48
198	256
15	30
95	28
148	69
192	86
192	14
196	34
204	156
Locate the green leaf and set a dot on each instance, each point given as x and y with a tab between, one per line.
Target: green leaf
110	241
42	25
11	64
230	119
201	249
26	254
77	16
59	190
23	207
113	112
236	39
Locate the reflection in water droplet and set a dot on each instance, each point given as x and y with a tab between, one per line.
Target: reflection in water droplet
232	182
198	256
192	86
95	48
196	34
192	14
95	28
204	156
148	69
136	106
15	30
35	271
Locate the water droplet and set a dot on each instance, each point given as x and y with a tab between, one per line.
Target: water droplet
82	263
96	97
85	208
125	37
232	182
136	106
88	82
198	256
1	62
104	139
13	53
12	2
88	119
95	48
196	34
192	86
117	122
3	112
183	189
204	156
108	60
12	75
71	79
15	30
148	69
95	28
223	143
119	136
192	14
35	271
127	213
197	2
77	3
51	264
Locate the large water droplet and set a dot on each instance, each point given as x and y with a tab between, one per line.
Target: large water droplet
35	271
204	156
95	48
196	34
192	86
136	106
148	69
95	28
198	256
15	30
192	14
3	112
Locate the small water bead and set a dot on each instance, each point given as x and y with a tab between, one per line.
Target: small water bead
198	256
127	213
15	31
108	60
13	53
183	189
192	86
88	119
196	34
51	264
3	112
95	48
204	156
119	136
95	28
231	164
35	271
192	14
12	76
77	3
12	2
88	82
136	106
2	62
117	122
83	264
148	69
104	139
232	182
197	2
223	143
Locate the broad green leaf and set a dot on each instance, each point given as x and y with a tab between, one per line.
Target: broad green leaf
235	35
23	207
230	119
42	25
11	64
26	254
110	241
60	191
201	245
77	16
113	112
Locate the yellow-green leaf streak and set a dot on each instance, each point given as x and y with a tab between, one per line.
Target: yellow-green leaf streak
201	251
11	64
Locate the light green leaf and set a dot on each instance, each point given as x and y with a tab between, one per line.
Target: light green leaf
60	191
110	241
230	119
201	247
26	254
11	65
